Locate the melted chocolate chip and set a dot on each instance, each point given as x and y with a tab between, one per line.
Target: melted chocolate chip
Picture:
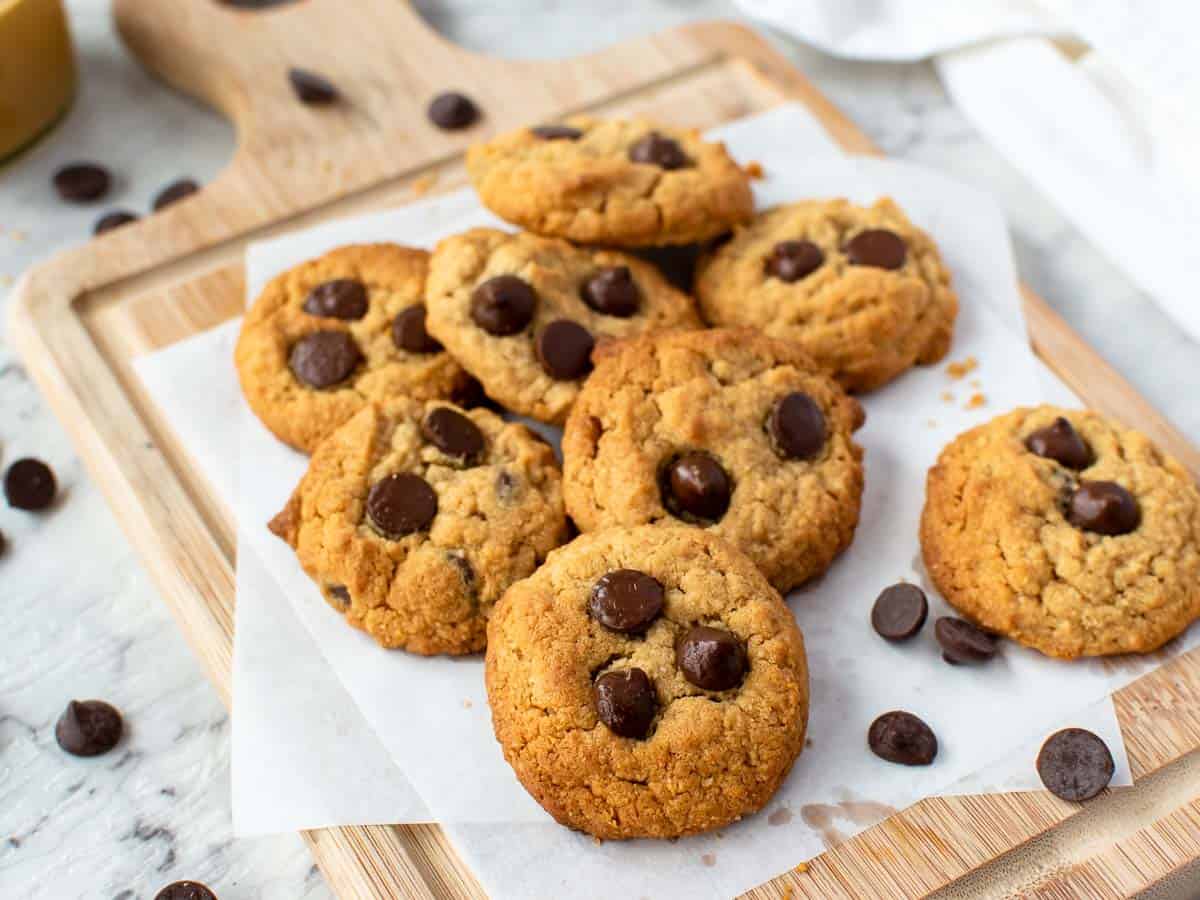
324	358
626	600
401	504
82	182
962	641
711	658
658	150
174	192
626	702
408	332
557	132
792	260
452	110
503	305
29	484
876	247
1103	507
190	890
88	728
901	737
797	427
1061	443
1075	765
341	298
694	484
339	593
454	434
312	89
564	348
899	612
612	292
111	220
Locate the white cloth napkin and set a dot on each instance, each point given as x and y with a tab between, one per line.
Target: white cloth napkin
1109	138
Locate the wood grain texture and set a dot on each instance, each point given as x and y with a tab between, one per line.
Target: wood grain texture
81	318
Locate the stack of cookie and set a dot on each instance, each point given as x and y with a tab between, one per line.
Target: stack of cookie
646	679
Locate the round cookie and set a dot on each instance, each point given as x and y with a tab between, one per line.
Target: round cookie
726	429
334	333
608	181
647	683
1066	532
414	517
862	289
523	313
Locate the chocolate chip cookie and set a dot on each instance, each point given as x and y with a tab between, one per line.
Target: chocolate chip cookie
621	183
647	683
1066	532
729	430
524	313
415	516
332	334
862	289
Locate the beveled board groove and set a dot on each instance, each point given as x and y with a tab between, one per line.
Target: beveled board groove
82	317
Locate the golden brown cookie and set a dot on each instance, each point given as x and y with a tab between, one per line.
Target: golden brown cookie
647	683
332	334
1066	532
728	429
523	313
609	181
415	516
862	289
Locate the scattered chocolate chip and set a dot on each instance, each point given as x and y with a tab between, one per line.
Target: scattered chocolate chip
1103	507
29	484
192	890
88	728
324	358
626	702
175	191
339	593
400	504
658	150
82	182
711	658
503	305
111	220
876	247
626	600
962	641
454	434
792	260
901	737
797	426
695	484
1075	765
313	89
557	132
1061	443
899	612
452	110
613	292
341	298
408	333
564	348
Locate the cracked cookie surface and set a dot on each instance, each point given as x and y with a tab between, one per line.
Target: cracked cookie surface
1000	544
476	507
710	756
866	311
627	183
353	296
656	400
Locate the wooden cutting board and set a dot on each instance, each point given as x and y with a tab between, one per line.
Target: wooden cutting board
82	317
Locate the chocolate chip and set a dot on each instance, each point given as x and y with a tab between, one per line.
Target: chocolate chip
88	728
114	219
82	182
452	110
963	642
189	890
469	394
557	132
901	737
175	191
564	348
1061	443
797	427
792	260
626	702
1103	507
1075	765
503	305
454	434
324	358
465	570
613	292
29	484
658	150
695	484
899	612
313	89
876	247
408	332
400	504
341	298
711	658
626	600
339	593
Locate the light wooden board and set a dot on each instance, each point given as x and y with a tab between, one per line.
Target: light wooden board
82	317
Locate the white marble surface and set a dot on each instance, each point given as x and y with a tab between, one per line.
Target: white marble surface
80	619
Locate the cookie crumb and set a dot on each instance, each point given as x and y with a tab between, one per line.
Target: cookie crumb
960	369
975	383
801	868
931	423
467	704
754	170
423	185
947	397
977	400
709	859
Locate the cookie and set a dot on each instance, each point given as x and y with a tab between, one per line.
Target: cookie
415	516
647	683
1064	531
337	332
523	313
729	430
607	181
862	289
